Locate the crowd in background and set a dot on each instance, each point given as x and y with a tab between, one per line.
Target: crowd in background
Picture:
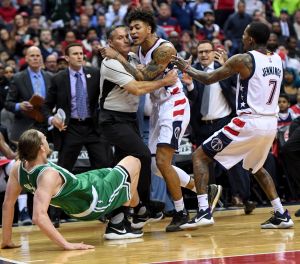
52	25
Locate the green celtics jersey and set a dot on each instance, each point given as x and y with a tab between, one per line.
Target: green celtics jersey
79	196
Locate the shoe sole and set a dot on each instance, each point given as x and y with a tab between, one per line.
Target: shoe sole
150	220
202	222
216	198
113	236
25	223
283	225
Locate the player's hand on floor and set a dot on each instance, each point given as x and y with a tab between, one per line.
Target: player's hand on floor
78	246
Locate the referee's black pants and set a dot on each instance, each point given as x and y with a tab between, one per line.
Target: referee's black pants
121	130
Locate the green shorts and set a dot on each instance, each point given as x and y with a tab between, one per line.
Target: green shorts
113	189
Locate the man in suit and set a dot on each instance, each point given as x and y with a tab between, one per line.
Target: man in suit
209	118
76	91
23	86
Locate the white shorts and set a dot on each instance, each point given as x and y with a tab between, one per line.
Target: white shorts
248	138
168	122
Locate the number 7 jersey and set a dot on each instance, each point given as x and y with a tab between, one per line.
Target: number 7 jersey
258	94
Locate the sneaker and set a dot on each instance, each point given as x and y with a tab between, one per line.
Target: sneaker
179	218
122	230
214	193
249	206
279	221
24	218
139	221
202	218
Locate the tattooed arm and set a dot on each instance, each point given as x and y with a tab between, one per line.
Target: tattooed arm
240	63
161	57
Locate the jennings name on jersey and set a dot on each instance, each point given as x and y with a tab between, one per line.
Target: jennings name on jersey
259	93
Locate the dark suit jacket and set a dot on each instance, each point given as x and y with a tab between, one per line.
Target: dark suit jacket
20	90
196	94
59	96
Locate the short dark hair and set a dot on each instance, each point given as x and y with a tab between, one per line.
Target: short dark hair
260	32
29	145
144	16
112	29
72	45
283	95
204	41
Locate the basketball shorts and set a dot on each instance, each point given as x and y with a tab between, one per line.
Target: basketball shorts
248	138
111	187
168	122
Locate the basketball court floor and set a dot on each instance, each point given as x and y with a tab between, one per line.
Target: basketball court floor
235	238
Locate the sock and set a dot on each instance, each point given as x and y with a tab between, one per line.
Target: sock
118	218
140	209
183	176
276	203
202	201
179	205
22	201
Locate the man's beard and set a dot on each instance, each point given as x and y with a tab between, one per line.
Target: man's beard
272	47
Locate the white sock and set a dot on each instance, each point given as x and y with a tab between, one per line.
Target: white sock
179	205
202	201
276	203
183	176
117	218
22	201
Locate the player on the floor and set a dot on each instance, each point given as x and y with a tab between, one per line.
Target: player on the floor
85	196
249	136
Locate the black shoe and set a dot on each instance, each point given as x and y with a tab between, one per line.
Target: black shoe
138	221
122	230
249	206
180	218
297	213
170	213
214	193
202	218
278	221
24	218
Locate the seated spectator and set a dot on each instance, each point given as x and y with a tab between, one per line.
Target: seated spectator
291	84
272	43
277	30
199	7
115	15
7	42
182	11
7	12
292	48
285	116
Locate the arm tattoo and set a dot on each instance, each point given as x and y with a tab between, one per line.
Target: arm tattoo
247	61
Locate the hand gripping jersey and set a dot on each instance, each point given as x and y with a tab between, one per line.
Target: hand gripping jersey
163	93
259	93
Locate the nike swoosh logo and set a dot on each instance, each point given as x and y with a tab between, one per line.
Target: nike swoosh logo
118	230
198	219
283	219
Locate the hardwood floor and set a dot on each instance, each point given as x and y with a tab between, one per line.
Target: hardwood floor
232	234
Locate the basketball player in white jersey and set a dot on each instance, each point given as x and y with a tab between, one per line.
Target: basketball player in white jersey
171	111
248	136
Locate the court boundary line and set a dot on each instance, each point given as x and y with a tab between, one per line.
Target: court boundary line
232	256
12	261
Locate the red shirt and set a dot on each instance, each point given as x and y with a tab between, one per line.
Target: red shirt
8	13
224	4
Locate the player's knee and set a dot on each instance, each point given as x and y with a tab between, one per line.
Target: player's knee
199	154
135	162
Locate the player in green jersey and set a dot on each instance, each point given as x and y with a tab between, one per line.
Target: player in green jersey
85	196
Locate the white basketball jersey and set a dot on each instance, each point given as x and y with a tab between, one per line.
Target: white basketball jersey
163	93
259	93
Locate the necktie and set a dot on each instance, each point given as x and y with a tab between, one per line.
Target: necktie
205	99
81	97
37	85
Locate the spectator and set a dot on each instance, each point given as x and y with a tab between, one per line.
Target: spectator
95	58
83	26
235	26
290	6
297	24
260	16
7	42
51	63
285	115
165	20
199	7
277	30
37	12
89	11
62	63
296	107
291	84
115	16
272	43
91	34
70	38
292	48
101	28
7	12
223	9
182	11
46	43
253	5
287	28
